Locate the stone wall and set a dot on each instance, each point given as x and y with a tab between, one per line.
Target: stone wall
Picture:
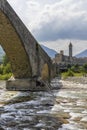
26	56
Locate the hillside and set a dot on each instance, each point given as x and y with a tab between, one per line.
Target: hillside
51	53
82	54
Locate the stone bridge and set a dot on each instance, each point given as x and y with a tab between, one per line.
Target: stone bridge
28	60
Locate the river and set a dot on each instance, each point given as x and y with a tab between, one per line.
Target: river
62	108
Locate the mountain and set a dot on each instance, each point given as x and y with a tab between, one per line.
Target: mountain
82	54
51	53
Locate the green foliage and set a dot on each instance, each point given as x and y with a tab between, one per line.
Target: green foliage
78	74
69	73
81	69
1	69
5	60
85	68
76	70
68	66
5	76
5	69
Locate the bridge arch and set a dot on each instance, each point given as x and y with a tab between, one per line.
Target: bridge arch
25	54
12	45
45	73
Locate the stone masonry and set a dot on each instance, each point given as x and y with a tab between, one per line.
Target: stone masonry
25	54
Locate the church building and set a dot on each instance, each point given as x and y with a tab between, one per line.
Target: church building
61	59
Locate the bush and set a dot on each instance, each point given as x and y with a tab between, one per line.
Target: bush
1	69
5	76
7	69
85	67
76	68
70	73
67	74
5	60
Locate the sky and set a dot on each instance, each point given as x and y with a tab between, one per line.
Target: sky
55	23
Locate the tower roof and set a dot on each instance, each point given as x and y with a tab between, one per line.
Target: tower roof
70	44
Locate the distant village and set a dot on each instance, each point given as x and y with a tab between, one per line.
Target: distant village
62	61
60	58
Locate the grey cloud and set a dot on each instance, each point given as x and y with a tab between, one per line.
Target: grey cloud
72	29
63	20
58	19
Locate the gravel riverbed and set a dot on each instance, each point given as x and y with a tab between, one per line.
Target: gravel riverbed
62	108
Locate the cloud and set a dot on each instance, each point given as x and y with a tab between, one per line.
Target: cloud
63	21
28	11
55	22
52	20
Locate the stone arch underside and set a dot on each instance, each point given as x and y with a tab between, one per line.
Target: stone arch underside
45	72
27	41
25	54
14	48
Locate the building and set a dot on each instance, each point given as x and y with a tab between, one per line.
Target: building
60	58
62	61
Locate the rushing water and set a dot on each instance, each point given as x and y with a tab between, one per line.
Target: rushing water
41	111
72	105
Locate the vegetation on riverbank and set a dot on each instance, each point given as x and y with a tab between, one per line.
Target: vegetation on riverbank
5	69
76	71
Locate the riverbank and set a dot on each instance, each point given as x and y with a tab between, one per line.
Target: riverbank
62	108
72	99
28	110
81	80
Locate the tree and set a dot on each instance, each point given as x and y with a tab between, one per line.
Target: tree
85	67
70	73
7	69
5	60
75	68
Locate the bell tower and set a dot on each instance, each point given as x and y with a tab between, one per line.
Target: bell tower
70	51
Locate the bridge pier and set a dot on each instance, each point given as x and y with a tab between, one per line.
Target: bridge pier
24	85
